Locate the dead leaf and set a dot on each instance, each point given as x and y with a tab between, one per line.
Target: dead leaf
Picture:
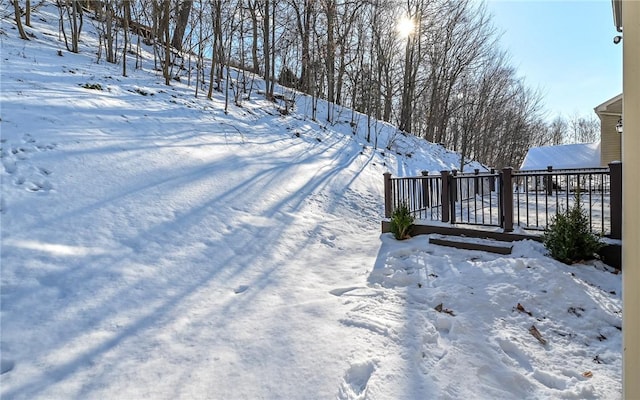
536	334
520	308
587	374
440	308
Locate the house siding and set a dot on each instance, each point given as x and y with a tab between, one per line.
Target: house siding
610	141
631	194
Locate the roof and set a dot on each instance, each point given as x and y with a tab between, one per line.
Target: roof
611	106
564	156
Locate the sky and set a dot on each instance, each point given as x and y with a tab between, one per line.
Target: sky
564	48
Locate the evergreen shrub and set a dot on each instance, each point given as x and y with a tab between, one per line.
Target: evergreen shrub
569	238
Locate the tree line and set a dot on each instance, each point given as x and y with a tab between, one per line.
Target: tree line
443	77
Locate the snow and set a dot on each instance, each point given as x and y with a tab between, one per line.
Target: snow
156	247
564	156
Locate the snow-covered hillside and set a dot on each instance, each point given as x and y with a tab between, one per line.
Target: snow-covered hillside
155	247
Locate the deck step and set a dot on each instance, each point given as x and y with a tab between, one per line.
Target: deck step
472	245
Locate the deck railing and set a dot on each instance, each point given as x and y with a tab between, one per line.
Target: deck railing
528	199
421	194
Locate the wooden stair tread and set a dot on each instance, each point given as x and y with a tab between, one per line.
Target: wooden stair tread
468	245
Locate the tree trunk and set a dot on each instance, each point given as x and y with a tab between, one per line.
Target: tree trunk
407	101
181	24
18	16
330	59
266	33
166	14
273	53
75	34
217	10
27	13
254	40
303	20
109	34
126	16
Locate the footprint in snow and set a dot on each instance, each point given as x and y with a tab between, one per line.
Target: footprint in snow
550	380
9	166
44	171
241	289
41	186
46	147
356	381
432	349
443	325
515	353
19	152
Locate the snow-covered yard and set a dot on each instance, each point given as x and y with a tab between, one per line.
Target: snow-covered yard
155	247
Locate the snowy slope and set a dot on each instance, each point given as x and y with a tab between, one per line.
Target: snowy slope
155	247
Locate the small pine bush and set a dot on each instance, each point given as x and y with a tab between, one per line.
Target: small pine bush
401	222
569	238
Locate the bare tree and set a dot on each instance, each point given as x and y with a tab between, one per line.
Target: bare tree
455	46
267	46
557	130
200	59
27	12
181	24
253	8
110	31
215	76
126	17
385	45
304	15
18	16
164	20
447	81
412	57
73	11
583	129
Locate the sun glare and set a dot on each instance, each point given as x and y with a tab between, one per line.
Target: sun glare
405	27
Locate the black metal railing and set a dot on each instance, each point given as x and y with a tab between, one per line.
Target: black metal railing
475	198
528	199
540	195
421	194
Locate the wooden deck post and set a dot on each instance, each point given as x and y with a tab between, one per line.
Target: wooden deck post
507	200
453	195
444	195
388	195
615	207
